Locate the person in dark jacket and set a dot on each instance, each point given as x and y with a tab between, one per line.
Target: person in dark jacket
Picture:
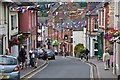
22	55
86	53
30	57
34	58
45	53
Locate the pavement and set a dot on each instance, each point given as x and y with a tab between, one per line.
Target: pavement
28	70
99	66
100	69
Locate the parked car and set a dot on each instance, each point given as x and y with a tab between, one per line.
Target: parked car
40	53
50	54
9	68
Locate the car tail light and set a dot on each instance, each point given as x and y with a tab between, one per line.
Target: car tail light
17	68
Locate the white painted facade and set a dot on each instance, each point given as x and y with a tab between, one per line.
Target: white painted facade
116	58
13	23
78	37
15	30
3	27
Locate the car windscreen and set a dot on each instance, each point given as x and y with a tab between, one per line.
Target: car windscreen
7	60
49	52
40	50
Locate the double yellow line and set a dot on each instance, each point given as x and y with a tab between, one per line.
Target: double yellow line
35	71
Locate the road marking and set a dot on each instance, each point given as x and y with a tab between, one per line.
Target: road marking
91	67
91	71
32	70
38	70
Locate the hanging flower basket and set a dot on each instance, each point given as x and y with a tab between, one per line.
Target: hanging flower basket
108	36
116	34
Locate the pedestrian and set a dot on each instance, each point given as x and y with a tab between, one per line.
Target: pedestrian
7	51
22	55
56	52
111	55
34	59
45	53
106	58
86	54
65	53
59	52
81	55
30	57
107	49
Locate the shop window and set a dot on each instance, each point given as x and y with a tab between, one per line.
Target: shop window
71	40
65	37
96	46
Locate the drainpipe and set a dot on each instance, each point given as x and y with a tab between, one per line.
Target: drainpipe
8	27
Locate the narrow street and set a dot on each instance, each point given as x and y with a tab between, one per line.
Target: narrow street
31	31
64	68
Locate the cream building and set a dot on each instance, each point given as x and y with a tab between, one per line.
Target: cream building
3	27
116	69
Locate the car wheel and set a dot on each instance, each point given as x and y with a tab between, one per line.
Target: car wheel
53	57
18	78
44	58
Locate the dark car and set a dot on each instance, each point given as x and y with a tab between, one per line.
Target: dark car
50	54
9	68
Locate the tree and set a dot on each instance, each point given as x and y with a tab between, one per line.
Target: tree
79	48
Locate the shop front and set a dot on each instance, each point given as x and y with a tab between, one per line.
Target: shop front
100	44
17	41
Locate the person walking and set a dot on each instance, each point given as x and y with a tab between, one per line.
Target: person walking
106	58
34	59
65	53
45	53
22	55
86	54
30	57
107	50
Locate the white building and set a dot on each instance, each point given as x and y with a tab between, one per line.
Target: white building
42	30
78	37
116	69
13	31
3	27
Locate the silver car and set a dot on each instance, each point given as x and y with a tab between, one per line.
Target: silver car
9	69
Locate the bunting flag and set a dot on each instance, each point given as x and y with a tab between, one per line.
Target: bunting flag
50	13
46	5
74	22
24	10
42	7
56	13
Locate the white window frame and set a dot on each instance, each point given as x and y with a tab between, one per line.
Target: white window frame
95	24
14	21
